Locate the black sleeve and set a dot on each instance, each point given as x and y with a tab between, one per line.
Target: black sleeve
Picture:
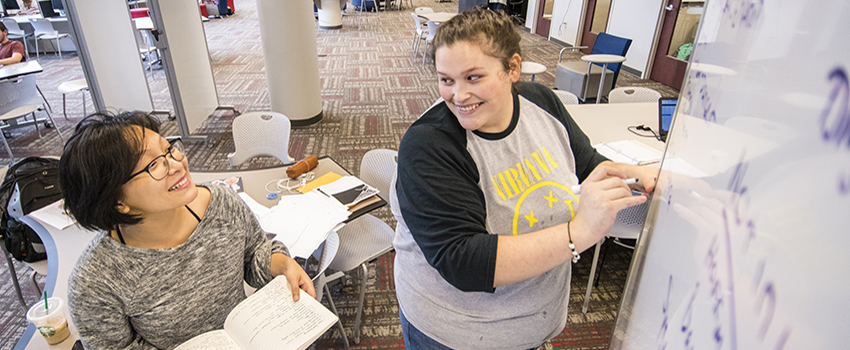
585	155
444	208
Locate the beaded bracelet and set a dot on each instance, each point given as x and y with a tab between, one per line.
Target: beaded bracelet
572	246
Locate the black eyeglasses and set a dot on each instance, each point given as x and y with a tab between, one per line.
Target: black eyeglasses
158	168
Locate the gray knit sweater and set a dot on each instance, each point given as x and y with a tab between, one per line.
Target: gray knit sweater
123	297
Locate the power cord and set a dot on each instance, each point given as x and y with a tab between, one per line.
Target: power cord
644	128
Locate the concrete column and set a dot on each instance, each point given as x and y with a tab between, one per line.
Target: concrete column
288	32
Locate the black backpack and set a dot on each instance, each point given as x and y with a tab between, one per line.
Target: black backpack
30	184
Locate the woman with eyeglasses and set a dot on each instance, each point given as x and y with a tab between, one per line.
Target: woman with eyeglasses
171	257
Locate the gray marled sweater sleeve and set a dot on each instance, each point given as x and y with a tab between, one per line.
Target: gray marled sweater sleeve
124	297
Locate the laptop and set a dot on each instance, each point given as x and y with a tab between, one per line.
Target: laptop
666	111
46	8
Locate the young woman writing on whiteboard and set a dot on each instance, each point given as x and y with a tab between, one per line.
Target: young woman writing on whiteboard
487	223
171	257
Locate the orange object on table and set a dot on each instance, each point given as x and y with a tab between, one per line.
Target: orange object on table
302	167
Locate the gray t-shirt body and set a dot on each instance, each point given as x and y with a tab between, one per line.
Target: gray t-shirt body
124	297
456	191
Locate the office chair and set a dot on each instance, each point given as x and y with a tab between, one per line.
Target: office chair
70	86
572	75
418	33
566	97
15	33
627	225
19	98
366	238
432	32
260	133
38	267
633	94
43	29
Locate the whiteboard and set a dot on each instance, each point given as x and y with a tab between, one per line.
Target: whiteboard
750	253
105	37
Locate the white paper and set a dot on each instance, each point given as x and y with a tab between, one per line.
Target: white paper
214	340
269	319
54	215
258	209
628	152
303	222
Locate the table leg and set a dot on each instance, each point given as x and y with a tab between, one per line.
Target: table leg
586	83
592	275
601	81
532	77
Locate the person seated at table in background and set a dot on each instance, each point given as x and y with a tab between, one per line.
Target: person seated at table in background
11	51
28	7
487	223
171	257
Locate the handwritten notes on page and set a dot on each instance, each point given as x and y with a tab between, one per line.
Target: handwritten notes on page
267	320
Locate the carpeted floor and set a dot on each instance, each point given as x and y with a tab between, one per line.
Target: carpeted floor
372	90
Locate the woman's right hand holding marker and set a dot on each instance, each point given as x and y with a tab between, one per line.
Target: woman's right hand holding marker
603	194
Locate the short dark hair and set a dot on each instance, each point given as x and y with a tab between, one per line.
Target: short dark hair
96	162
2	27
491	30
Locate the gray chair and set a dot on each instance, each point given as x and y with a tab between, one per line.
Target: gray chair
18	99
43	29
366	238
70	86
260	133
432	32
327	253
633	94
566	97
16	33
418	34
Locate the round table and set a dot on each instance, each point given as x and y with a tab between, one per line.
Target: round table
532	68
604	60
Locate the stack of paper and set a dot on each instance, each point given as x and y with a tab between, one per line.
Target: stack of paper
303	222
629	152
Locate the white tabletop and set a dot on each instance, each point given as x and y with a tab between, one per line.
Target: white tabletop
143	23
438	16
26	19
19	69
609	122
601	58
532	68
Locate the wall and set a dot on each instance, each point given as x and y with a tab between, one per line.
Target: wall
635	19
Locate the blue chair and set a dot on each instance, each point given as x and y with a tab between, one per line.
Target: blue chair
572	75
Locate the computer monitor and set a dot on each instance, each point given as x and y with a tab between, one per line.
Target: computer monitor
46	9
666	111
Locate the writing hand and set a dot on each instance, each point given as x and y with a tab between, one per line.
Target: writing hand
603	194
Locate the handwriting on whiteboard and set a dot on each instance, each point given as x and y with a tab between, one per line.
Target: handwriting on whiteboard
835	120
743	13
737	309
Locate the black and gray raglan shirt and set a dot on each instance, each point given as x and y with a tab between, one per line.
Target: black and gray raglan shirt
456	190
124	297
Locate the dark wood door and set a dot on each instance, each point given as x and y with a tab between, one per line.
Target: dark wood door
678	31
595	21
543	21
